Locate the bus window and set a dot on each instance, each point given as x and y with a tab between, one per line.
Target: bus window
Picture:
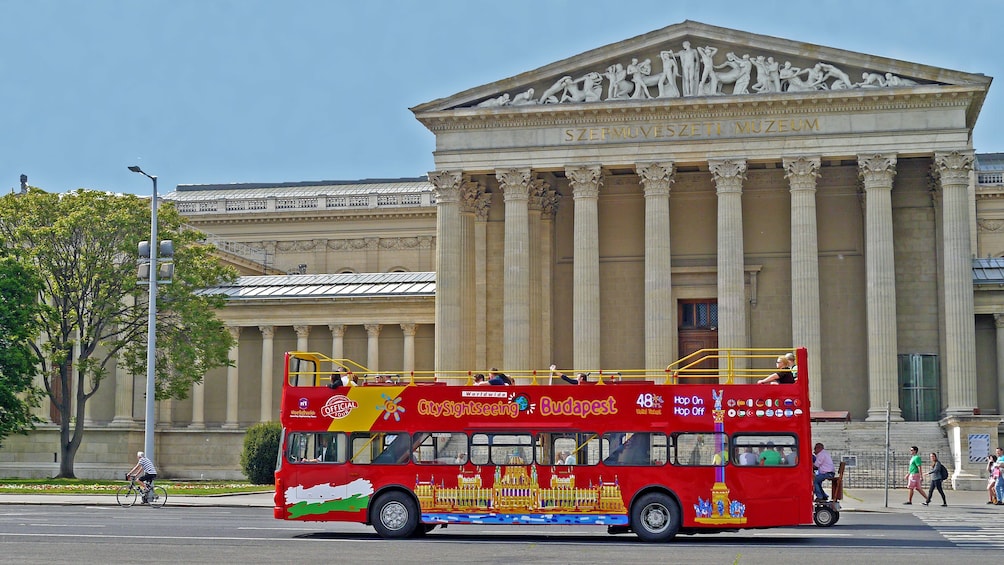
701	449
444	448
501	449
316	447
563	448
765	449
643	448
381	448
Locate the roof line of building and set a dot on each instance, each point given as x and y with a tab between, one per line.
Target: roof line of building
295	184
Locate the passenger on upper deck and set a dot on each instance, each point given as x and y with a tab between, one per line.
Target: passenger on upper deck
580	378
338	378
479	379
782	376
497	378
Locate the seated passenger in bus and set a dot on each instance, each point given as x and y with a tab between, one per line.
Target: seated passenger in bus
747	457
770	456
783	375
570	459
790	456
479	379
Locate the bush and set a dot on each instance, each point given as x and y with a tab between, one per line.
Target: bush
261	448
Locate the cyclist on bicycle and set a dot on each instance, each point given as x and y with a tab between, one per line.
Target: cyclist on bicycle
149	474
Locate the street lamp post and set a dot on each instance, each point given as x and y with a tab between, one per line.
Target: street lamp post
151	346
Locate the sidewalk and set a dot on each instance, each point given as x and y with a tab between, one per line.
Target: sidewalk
855	500
255	499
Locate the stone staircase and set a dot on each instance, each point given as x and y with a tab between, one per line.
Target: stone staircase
863	446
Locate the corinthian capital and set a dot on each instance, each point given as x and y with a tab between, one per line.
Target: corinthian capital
801	172
729	174
656	178
877	170
470	192
446	185
952	168
585	181
515	183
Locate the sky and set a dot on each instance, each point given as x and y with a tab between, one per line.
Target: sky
230	91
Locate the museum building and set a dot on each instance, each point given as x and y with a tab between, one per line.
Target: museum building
692	187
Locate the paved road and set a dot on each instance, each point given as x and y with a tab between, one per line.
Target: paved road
240	529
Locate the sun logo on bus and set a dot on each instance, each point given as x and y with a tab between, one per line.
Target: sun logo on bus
390	407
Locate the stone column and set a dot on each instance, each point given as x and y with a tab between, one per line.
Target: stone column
660	308
469	194
267	333
409	346
805	319
515	186
232	372
373	346
539	357
481	208
198	405
729	175
960	327
549	207
337	340
302	333
877	172
124	394
448	270
585	183
999	325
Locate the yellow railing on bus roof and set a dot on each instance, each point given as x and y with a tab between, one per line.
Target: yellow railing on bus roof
728	366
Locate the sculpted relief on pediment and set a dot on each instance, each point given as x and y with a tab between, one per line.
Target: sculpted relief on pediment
689	71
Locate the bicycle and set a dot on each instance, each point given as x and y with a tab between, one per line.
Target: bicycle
155	496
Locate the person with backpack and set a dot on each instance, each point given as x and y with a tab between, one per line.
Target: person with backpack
938	474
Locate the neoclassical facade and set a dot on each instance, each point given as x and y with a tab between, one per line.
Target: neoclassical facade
691	187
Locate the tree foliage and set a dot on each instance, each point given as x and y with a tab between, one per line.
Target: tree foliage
20	313
84	245
261	449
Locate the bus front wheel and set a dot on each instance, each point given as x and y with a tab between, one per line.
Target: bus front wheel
655	517
395	515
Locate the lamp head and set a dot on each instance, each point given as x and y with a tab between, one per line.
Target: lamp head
135	169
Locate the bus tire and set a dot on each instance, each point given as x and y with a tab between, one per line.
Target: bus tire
655	517
395	515
824	516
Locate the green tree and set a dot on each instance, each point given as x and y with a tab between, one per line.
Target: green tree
261	448
20	313
84	244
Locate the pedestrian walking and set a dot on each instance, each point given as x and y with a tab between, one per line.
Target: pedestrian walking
914	479
938	474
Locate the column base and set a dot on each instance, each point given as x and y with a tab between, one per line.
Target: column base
230	426
879	415
197	426
122	423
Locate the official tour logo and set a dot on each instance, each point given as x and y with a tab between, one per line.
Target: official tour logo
338	407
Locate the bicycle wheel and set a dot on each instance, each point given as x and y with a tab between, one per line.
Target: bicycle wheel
158	497
126	496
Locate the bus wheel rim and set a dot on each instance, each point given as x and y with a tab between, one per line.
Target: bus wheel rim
656	517
394	515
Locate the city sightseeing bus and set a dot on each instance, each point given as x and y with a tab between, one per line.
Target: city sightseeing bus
685	450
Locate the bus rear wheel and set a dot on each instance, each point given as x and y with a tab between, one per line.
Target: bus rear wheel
395	515
655	517
824	516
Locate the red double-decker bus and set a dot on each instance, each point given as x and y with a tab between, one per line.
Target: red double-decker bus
686	450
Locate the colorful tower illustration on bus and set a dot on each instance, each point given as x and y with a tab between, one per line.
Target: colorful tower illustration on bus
719	509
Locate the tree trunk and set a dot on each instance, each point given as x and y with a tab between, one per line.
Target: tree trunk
68	444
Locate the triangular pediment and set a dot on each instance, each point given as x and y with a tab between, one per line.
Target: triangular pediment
672	64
